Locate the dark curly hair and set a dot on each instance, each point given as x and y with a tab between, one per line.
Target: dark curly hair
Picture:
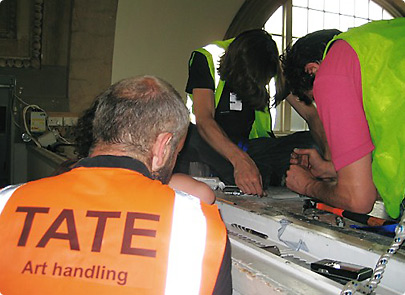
83	136
248	65
83	132
309	48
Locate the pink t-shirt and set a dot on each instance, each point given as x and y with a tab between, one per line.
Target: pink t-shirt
338	96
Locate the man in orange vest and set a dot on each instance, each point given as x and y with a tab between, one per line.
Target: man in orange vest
112	225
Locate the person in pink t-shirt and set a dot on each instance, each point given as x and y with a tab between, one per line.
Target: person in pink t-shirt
345	181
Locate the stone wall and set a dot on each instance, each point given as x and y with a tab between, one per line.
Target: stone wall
42	78
75	60
91	50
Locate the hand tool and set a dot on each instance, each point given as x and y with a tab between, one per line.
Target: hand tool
358	217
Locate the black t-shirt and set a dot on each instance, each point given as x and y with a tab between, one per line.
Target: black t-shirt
235	122
223	285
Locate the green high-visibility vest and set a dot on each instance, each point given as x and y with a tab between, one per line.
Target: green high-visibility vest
262	125
380	47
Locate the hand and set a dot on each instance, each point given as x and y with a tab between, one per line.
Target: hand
298	178
247	176
311	160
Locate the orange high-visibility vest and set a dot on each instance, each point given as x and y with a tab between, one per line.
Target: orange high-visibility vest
107	231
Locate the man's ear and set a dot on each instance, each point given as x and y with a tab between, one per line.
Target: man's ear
311	67
161	150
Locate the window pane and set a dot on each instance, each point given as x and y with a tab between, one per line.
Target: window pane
361	8
331	21
273	112
279	42
297	123
316	4
359	21
276	120
346	22
302	3
315	20
347	7
375	11
332	6
275	23
386	15
300	19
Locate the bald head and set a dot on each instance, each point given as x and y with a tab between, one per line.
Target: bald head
133	112
143	87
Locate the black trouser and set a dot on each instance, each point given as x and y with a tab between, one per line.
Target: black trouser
271	155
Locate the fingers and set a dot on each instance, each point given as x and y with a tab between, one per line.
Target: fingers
250	187
289	180
304	160
296	180
247	176
294	158
311	152
299	151
299	159
256	187
250	184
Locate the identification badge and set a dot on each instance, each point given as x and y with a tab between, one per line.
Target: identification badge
234	103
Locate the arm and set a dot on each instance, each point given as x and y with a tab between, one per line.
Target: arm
352	190
247	176
310	115
193	187
337	86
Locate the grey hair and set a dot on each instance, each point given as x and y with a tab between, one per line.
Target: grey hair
134	111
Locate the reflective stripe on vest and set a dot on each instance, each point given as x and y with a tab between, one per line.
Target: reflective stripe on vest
262	125
380	47
5	194
189	247
108	231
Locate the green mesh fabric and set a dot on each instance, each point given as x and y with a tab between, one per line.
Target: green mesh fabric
380	47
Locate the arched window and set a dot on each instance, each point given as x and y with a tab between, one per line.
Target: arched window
292	19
